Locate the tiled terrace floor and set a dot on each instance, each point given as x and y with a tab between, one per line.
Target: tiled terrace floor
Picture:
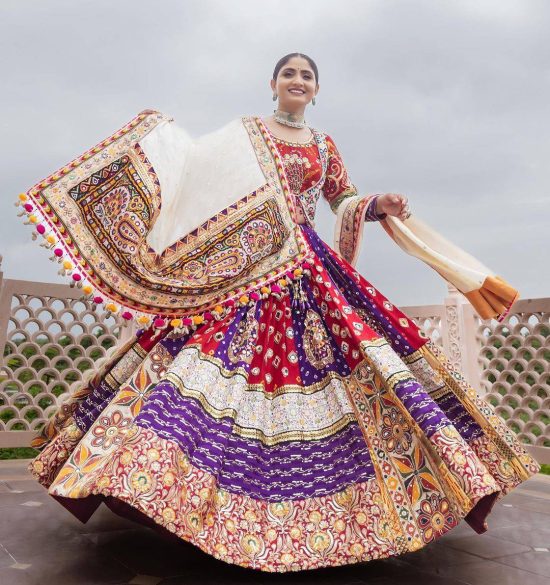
41	543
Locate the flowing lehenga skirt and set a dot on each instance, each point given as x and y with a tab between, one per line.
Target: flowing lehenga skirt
312	428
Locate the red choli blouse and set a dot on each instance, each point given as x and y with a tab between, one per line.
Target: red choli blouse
304	170
303	167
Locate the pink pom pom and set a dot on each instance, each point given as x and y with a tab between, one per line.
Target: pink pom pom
186	321
275	288
28	207
255	296
98	300
41	229
58	252
208	316
230	303
77	277
126	315
159	323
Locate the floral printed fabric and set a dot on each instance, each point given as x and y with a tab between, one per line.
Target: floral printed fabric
311	428
317	428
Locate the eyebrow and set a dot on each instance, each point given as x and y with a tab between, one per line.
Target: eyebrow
293	69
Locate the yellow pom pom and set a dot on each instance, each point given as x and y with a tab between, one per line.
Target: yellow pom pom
218	309
87	289
33	219
283	283
111	307
175	322
50	238
143	319
264	290
198	319
298	272
67	265
244	300
22	197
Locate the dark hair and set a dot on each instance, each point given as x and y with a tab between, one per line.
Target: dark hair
284	60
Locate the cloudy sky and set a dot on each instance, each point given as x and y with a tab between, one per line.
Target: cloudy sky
445	101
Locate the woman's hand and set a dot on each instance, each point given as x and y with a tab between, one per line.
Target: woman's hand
393	204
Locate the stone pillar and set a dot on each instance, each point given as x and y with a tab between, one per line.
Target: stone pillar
459	336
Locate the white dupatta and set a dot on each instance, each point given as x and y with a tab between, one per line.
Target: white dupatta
490	295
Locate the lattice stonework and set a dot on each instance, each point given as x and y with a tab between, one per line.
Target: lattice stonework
515	358
51	340
431	326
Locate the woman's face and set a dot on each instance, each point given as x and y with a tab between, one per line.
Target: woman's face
295	84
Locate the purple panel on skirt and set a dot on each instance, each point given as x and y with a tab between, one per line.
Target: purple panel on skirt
421	406
290	470
93	405
221	350
173	345
460	417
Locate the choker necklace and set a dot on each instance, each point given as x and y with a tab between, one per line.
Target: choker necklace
288	119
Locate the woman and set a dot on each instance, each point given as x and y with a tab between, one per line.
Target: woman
275	409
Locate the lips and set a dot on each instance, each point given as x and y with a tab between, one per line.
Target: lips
297	91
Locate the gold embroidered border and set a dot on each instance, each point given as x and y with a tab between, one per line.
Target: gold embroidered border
349	226
286	389
254	433
272	536
350	192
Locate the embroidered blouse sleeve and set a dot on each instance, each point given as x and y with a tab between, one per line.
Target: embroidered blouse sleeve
338	186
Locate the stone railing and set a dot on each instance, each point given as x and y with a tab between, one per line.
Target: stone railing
51	337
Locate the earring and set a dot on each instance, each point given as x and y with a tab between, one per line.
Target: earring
274	97
313	101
